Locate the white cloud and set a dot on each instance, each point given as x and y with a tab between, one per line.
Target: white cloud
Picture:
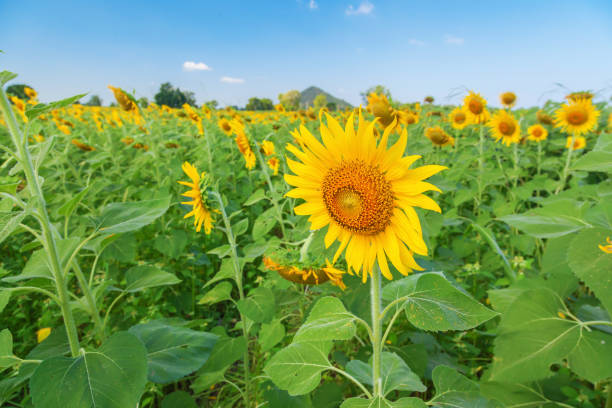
230	80
416	42
312	4
364	8
451	39
195	66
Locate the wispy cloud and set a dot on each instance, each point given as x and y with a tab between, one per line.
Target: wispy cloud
364	8
312	4
195	66
414	41
451	39
230	80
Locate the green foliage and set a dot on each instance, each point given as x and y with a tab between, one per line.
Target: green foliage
173	97
17	90
256	104
290	100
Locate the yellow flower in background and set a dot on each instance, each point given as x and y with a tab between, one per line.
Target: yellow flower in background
439	137
39	138
476	108
576	96
279	108
200	211
508	99
607	248
504	126
544	118
379	106
537	133
20	106
42	334
225	126
273	164
123	99
577	117
458	118
32	95
364	192
267	147
307	276
82	146
407	117
244	146
579	143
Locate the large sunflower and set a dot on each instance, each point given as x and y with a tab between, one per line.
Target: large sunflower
364	192
200	212
504	126
476	108
577	117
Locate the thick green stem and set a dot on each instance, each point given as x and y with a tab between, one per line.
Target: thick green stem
567	165
516	163
376	331
480	167
609	400
279	213
238	278
539	159
49	243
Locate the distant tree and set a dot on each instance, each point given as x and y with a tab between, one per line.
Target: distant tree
212	104
143	102
94	101
290	100
331	106
173	97
378	89
256	104
319	101
18	91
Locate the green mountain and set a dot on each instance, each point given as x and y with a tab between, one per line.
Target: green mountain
308	95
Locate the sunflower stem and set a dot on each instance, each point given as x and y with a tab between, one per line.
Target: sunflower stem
48	239
609	400
567	164
376	330
515	160
539	159
480	166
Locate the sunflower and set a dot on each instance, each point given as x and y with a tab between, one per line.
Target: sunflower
31	93
308	276
378	105
508	99
577	117
408	117
544	118
244	146
84	147
429	99
476	108
458	118
607	248
225	126
579	143
364	192
537	133
273	164
267	147
200	212
505	126
576	96
279	108
123	99
439	137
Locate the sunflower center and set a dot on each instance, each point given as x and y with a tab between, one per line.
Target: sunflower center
358	197
226	127
537	132
460	117
506	128
577	117
475	107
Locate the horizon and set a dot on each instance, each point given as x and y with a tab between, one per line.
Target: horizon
230	52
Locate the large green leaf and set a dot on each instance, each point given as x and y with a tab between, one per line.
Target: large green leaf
455	390
143	277
226	271
178	399
226	352
298	367
39	109
7	359
515	395
433	303
380	402
595	161
271	334
532	336
277	398
328	320
69	206
591	264
554	265
221	292
112	376
543	226
259	306
124	217
592	357
173	352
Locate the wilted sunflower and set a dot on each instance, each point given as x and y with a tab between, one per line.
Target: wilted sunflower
504	126
124	101
82	146
200	212
544	118
607	248
439	137
225	126
476	108
537	133
577	117
364	192
576	96
579	143
508	99
458	118
308	276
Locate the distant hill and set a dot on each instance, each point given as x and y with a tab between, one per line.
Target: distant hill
308	95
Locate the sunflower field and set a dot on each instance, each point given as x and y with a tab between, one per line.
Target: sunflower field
393	255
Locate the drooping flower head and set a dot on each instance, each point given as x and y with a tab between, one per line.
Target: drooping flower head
197	187
379	106
124	101
476	108
504	126
508	99
307	276
576	96
537	133
267	147
408	117
364	192
439	137
577	117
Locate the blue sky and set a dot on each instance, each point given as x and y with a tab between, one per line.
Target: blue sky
262	48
